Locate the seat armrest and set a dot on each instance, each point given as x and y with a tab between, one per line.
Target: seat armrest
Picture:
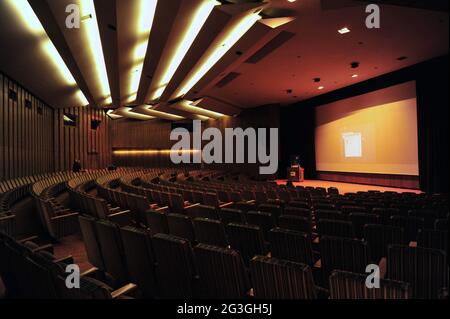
123	290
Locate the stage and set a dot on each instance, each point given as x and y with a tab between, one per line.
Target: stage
348	187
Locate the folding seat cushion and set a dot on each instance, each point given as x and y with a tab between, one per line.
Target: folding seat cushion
338	253
441	224
247	239
330	214
295	211
291	245
210	232
222	273
424	268
435	239
203	211
266	221
140	260
379	237
180	226
281	279
231	215
337	228
296	223
175	268
111	248
91	241
275	210
349	285
245	206
359	220
300	204
411	225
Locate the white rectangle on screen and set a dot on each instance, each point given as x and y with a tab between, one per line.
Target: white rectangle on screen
352	144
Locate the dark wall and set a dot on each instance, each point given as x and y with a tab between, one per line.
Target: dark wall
297	120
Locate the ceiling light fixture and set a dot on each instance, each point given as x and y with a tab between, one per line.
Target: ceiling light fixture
92	33
198	20
239	29
23	10
344	30
146	14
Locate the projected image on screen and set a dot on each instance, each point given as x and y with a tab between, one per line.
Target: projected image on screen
352	144
371	133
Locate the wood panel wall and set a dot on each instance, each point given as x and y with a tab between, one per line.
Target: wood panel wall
26	135
154	134
33	138
91	147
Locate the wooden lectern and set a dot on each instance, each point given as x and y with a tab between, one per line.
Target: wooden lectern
296	173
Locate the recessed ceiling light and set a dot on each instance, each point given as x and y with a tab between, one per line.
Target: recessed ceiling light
320	88
344	30
354	75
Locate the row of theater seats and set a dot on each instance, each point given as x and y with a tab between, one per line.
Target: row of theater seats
31	271
158	217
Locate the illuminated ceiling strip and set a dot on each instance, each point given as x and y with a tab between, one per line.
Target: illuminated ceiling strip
191	32
151	152
145	18
92	33
189	107
233	36
113	116
162	114
23	9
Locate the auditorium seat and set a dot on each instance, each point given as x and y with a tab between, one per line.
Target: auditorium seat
266	221
112	250
336	228
210	232
291	245
296	223
181	226
359	220
221	271
281	279
379	237
349	285
231	215
424	268
140	260
247	239
175	268
156	221
338	253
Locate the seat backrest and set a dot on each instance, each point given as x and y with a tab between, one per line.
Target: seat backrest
181	226
281	279
291	245
175	266
156	221
349	285
360	219
424	268
266	221
296	223
91	241
247	239
221	272
139	258
112	249
210	232
379	237
328	227
338	253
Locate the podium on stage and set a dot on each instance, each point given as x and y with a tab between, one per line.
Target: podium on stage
296	173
